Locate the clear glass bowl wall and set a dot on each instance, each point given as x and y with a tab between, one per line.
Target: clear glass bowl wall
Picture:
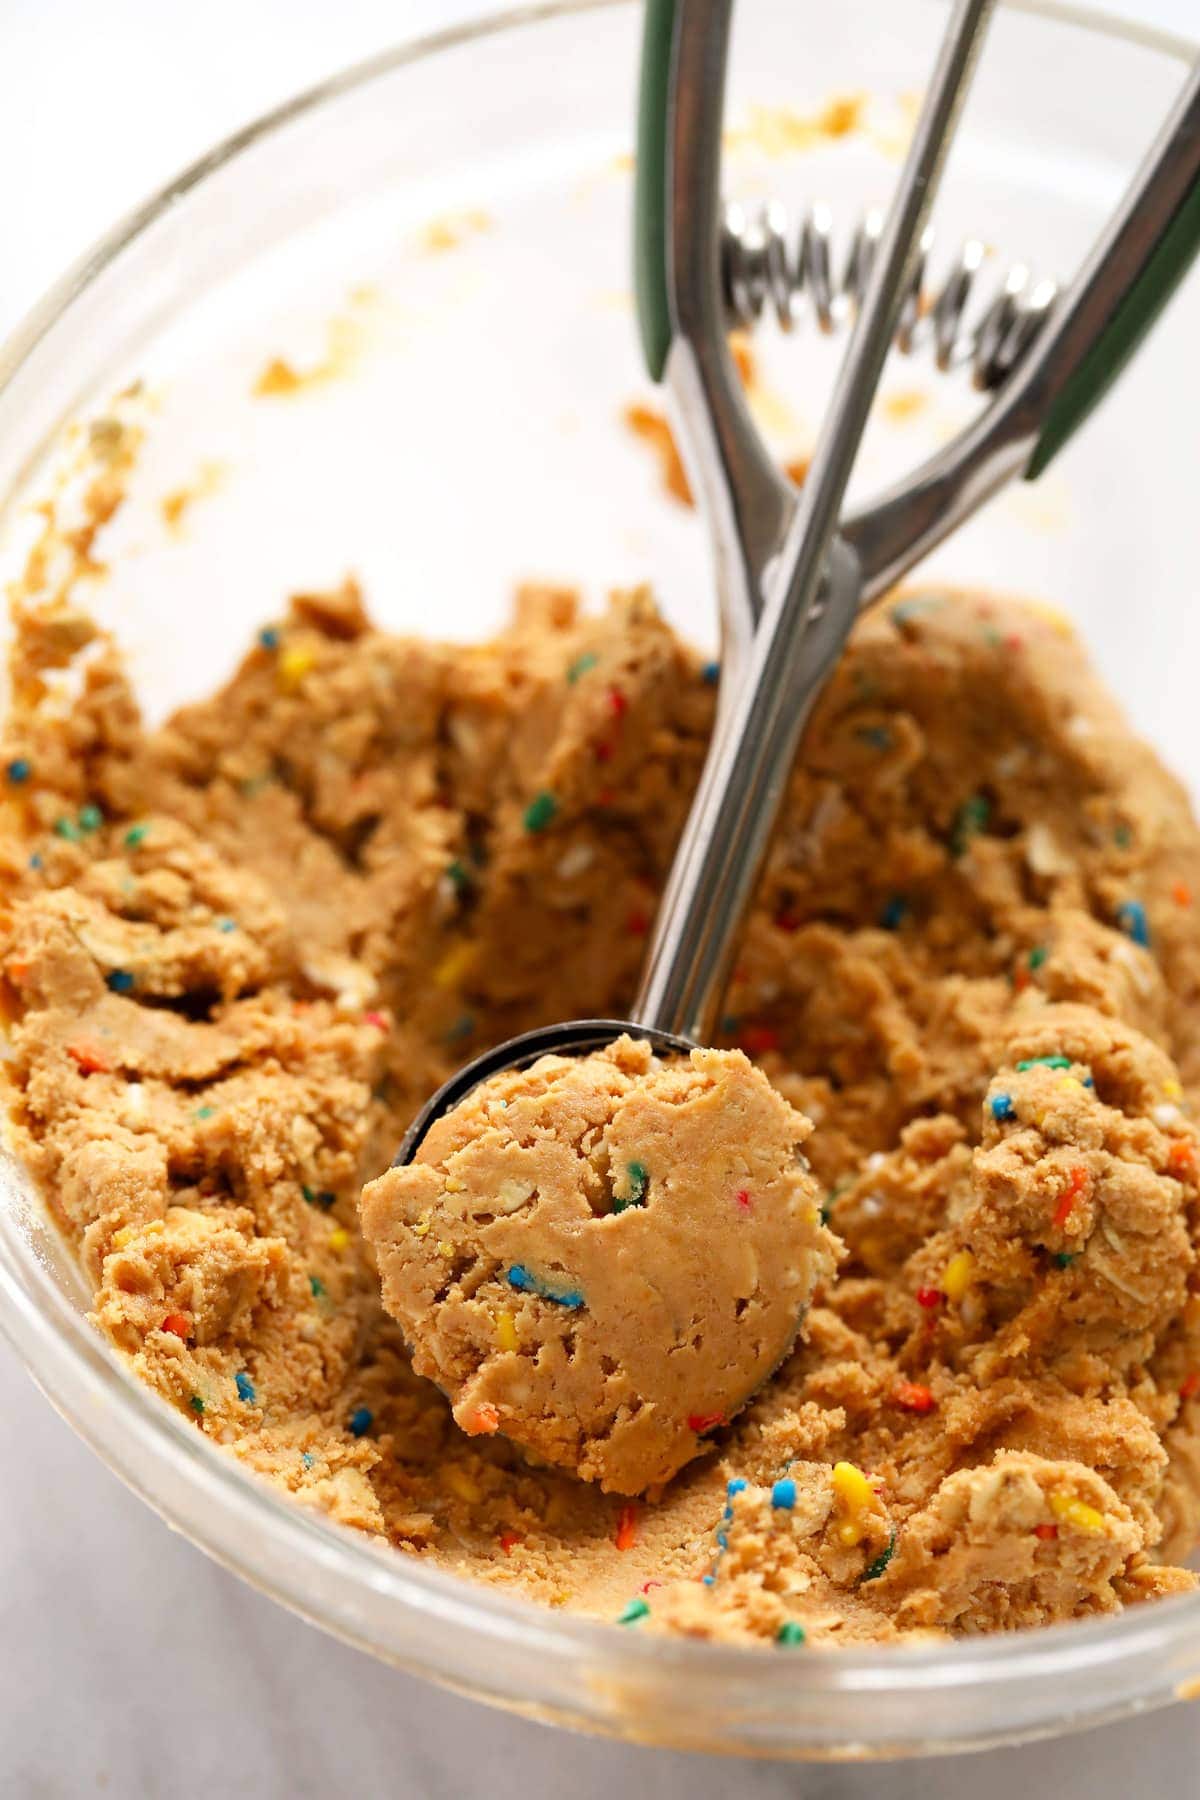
468	433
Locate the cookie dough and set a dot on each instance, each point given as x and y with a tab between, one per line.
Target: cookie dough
604	1258
239	951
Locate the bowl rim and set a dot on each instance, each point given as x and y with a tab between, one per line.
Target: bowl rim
233	1513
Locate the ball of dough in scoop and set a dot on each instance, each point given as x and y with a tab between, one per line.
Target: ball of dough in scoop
604	1257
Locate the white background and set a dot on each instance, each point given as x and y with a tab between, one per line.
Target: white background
129	1664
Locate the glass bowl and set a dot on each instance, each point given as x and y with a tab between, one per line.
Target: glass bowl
438	244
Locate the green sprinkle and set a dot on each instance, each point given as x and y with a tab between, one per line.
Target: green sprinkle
838	1188
67	828
1064	1258
637	1609
540	811
90	818
322	1197
581	665
196	1404
791	1634
135	835
1123	837
317	1286
204	1112
1043	1062
637	1178
970	819
226	924
458	877
874	1570
1037	956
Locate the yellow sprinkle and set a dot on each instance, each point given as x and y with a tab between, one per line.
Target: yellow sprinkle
1050	615
1172	1090
850	1533
1071	1081
457	963
338	1238
506	1331
461	1484
812	1215
1075	1512
454	1186
292	665
423	1224
122	1237
852	1487
446	1248
958	1275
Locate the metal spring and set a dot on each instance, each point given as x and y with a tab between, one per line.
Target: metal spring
770	261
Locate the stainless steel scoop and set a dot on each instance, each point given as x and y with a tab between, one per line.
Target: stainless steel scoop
791	583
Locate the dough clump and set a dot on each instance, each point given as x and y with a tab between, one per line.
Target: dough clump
604	1258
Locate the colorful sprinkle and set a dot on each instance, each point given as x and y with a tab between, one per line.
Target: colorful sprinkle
617	703
1037	956
1181	893
462	1028
1123	837
520	1279
756	1040
930	1298
204	1112
1043	1062
914	1396
878	737
178	1324
742	1200
506	1332
135	835
376	1019
581	665
316	1286
701	1423
540	811
783	1494
294	664
736	1486
90	818
360	1421
307	1458
245	1387
1131	917
636	1609
875	1569
483	1421
626	1533
1064	1258
509	1541
958	1275
66	828
88	1057
120	981
855	1496
1189	1385
637	1184
19	769
1078	1182
1046	1532
196	1403
710	674
790	1635
459	877
268	637
35	861
894	912
1181	1160
226	924
339	1237
1070	1511
970	819
1003	1110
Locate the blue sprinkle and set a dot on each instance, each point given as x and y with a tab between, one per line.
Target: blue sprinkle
783	1494
1003	1110
462	1027
20	769
524	1282
226	924
708	1580
308	1459
723	1538
120	981
360	1420
35	861
245	1387
1131	917
736	1486
710	674
877	736
1088	1082
894	913
268	637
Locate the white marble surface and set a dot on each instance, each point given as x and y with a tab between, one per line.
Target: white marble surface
129	1664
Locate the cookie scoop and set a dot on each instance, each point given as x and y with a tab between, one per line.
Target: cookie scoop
604	1257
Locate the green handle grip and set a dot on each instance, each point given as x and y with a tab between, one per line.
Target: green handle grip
1131	319
650	186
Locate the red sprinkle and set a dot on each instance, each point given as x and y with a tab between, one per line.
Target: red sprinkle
757	1039
743	1199
509	1541
1189	1385
930	1298
1182	1159
638	922
90	1058
1014	641
603	753
377	1019
786	921
626	1528
483	1421
649	1586
1181	894
1045	1532
178	1324
1076	1189
618	705
702	1422
605	797
1021	978
914	1396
